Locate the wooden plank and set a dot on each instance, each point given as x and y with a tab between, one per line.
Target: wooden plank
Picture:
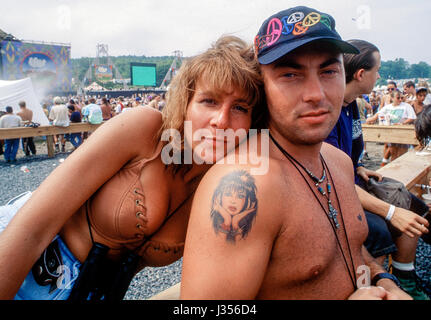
24	132
404	134
408	169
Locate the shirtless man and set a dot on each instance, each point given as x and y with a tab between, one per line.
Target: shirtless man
278	235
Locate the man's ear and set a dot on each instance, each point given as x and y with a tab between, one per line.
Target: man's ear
358	75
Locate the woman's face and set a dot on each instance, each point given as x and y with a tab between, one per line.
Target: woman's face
211	114
397	100
233	201
420	96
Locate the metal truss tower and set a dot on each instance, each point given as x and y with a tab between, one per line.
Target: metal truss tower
102	57
178	57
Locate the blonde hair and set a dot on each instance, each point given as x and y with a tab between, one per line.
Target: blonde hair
228	64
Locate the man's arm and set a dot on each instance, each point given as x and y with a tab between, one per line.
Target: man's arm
225	260
393	291
404	220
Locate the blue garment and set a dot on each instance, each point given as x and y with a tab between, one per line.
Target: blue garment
76	139
62	278
10	149
347	135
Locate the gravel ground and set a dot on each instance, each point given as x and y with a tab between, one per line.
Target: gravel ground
28	173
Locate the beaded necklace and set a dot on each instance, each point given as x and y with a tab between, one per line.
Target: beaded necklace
332	214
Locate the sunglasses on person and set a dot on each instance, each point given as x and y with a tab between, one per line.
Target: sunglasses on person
391	89
399	98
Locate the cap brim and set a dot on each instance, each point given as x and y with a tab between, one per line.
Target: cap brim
285	48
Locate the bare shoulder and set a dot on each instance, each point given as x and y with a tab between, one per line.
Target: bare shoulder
238	203
132	132
338	157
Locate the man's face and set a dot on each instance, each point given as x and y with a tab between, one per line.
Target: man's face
305	91
372	75
391	87
409	90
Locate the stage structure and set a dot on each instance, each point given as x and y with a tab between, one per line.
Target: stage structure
102	67
47	64
176	64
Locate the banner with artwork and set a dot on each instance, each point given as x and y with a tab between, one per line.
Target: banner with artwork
48	65
103	72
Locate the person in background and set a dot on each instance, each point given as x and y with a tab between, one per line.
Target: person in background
409	92
399	113
27	116
10	120
59	115
106	109
418	103
75	117
362	72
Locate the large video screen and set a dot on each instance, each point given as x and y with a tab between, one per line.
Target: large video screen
143	74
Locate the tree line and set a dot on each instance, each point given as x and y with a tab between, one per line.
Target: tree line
401	69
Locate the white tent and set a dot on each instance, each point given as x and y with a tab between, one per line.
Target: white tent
12	92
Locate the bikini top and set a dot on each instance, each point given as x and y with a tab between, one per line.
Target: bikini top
117	217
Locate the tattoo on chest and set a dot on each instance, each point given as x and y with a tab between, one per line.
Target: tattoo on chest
234	205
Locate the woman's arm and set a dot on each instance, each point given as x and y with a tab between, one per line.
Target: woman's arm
118	141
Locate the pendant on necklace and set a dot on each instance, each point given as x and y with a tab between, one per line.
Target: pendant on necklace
333	214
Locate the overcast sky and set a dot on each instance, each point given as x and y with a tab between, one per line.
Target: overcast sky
400	28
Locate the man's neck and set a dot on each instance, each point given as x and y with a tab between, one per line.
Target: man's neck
350	94
307	155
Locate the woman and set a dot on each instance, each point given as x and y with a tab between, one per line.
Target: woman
128	206
418	103
399	113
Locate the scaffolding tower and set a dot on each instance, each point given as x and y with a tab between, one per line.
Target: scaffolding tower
178	57
102	54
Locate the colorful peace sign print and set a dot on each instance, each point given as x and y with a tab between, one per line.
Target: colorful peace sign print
299	29
311	19
274	30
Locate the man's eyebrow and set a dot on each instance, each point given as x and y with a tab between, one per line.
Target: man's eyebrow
330	62
285	63
294	65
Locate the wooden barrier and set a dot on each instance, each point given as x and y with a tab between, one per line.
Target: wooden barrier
410	169
404	134
48	131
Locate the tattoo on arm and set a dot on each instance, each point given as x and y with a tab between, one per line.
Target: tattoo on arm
234	205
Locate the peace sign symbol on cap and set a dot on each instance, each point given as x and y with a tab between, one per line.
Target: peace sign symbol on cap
311	19
295	17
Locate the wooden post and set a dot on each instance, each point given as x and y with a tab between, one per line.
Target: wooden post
50	146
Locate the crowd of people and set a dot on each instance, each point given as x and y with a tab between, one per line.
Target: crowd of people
394	106
61	111
312	239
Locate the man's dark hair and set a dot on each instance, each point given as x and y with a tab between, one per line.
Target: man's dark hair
409	84
21	104
71	107
364	60
423	125
9	109
393	82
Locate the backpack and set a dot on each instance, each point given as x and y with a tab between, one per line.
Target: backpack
95	116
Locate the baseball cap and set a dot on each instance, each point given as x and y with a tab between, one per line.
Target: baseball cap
290	29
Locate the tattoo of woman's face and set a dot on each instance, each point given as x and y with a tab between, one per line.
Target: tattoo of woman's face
234	205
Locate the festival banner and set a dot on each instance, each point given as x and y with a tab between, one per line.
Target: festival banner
48	65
